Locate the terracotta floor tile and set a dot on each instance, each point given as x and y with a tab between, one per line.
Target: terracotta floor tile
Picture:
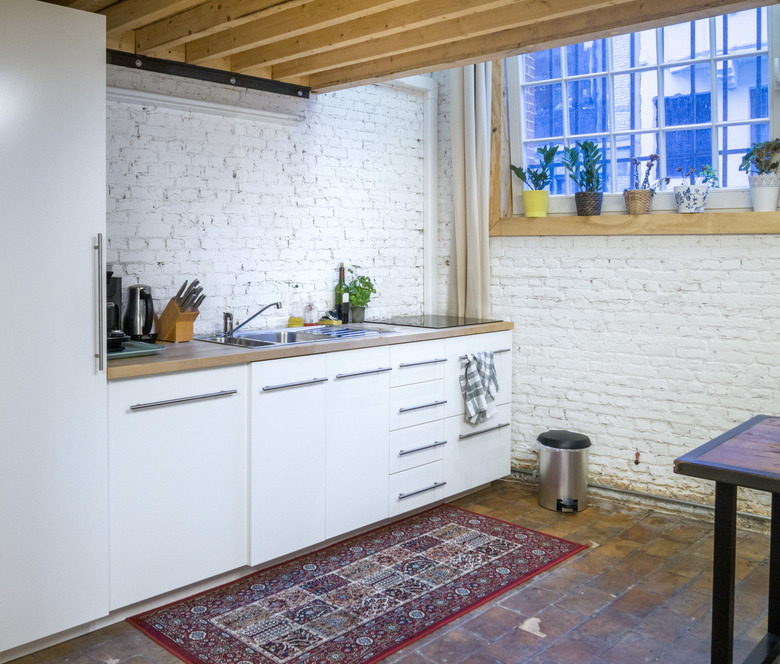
608	625
663	583
637	602
664	625
585	602
455	646
528	600
493	623
634	648
576	650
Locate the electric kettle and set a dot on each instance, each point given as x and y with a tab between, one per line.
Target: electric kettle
138	319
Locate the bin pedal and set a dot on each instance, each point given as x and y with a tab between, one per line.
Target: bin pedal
566	505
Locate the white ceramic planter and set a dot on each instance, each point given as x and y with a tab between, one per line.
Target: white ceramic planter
691	198
764	191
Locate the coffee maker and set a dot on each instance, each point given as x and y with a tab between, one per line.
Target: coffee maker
116	336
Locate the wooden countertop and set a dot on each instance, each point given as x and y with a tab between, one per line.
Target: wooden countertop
201	354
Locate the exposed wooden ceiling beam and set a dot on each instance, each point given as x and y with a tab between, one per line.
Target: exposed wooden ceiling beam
621	18
131	14
297	22
391	27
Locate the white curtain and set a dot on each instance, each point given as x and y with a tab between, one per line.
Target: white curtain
471	130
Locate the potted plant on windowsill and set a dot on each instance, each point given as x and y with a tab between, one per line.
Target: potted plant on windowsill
585	169
537	199
763	159
360	291
691	196
639	200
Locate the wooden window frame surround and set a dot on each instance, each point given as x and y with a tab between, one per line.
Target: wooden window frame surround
503	223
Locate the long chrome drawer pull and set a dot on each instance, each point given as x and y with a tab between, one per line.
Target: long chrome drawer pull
438	443
425	405
403	365
300	383
479	433
197	397
101	303
364	373
435	485
495	352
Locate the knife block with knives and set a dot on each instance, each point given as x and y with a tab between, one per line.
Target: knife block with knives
176	320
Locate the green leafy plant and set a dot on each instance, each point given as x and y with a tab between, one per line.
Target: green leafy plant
585	166
763	157
538	178
360	288
705	175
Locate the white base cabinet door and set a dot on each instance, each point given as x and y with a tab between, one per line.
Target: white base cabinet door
287	456
177	480
358	437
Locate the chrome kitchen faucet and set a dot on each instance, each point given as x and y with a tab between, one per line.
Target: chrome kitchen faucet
227	319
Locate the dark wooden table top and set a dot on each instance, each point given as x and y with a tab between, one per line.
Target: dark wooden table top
748	455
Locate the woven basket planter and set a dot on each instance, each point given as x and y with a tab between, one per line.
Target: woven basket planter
638	201
588	203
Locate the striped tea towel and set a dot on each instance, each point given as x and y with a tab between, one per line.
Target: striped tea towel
478	384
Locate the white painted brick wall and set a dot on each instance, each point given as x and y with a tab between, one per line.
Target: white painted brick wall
251	208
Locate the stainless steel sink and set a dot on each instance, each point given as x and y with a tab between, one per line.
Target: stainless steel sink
295	335
236	341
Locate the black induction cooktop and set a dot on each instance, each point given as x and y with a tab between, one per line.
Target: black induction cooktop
436	322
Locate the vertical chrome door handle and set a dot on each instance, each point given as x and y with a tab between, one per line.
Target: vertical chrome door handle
101	307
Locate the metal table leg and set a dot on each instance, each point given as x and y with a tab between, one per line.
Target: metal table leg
723	572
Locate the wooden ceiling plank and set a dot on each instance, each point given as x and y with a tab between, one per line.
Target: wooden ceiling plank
131	14
541	35
207	19
471	26
300	21
385	26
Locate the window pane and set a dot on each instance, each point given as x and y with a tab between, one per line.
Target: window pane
691	147
734	142
687	41
635	99
742	31
634	50
587	58
543	111
541	66
743	93
640	146
588	105
687	95
557	173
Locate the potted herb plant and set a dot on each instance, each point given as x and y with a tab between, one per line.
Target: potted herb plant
360	291
585	166
639	199
691	196
763	159
536	199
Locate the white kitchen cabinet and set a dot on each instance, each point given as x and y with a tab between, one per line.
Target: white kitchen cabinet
357	432
417	362
416	487
53	487
177	478
287	455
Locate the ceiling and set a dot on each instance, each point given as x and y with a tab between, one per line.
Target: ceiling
333	44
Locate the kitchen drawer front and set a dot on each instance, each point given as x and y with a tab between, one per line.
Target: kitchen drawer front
289	375
416	404
417	446
417	487
476	455
500	344
417	362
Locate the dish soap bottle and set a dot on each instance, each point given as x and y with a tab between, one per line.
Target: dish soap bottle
311	315
296	308
342	297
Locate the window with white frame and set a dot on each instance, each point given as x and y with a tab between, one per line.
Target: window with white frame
696	93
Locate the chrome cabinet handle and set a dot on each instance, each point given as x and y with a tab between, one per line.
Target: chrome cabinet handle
495	352
403	365
479	433
197	397
101	306
435	485
438	443
364	373
425	405
300	383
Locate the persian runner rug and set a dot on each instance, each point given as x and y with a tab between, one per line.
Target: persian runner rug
357	601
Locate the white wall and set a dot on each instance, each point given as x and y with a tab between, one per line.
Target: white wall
251	208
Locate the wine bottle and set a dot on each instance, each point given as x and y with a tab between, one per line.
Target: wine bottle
342	297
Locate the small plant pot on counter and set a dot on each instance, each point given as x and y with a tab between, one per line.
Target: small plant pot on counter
536	202
691	198
358	314
764	191
588	203
638	201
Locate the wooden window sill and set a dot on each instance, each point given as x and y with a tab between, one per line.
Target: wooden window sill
662	223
